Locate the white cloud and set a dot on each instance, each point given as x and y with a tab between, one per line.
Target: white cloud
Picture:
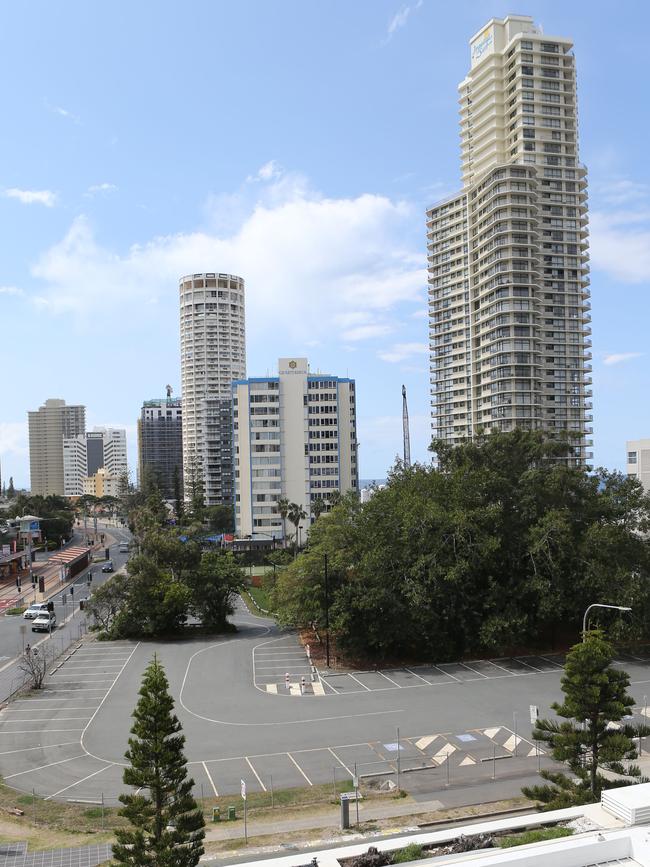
100	188
11	290
621	357
422	313
14	440
399	20
270	171
63	112
365	332
306	259
620	245
31	197
402	351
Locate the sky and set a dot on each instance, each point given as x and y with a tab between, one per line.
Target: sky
297	144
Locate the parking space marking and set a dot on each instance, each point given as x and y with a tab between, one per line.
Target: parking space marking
507	670
208	775
552	661
388	679
39	747
42	767
442	671
342	763
256	774
410	670
78	783
539	670
300	769
39	731
45	719
359	682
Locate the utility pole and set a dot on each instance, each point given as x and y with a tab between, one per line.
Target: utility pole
405	426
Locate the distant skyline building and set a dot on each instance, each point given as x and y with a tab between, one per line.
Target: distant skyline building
295	437
47	428
213	354
508	263
638	461
84	455
160	443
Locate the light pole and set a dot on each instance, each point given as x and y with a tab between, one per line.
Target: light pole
599	605
327	616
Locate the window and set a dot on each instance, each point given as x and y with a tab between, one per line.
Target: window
631	457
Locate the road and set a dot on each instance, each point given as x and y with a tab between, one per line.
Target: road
16	631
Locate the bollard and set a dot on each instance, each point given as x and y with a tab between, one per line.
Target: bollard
302	684
216	814
286	680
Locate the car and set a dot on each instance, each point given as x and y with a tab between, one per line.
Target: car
34	610
108	566
45	622
124	548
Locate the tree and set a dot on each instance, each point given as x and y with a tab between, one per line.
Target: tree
179	505
195	488
220	519
282	506
318	506
296	514
11	491
167	824
588	737
34	663
214	587
107	601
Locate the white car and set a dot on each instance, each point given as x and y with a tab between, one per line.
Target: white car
34	610
45	622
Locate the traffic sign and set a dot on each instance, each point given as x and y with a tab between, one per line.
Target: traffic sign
534	714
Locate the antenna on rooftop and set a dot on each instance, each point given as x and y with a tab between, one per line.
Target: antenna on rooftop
405	425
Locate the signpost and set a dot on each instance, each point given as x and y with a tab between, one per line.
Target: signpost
243	795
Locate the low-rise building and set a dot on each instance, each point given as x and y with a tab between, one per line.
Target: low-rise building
638	461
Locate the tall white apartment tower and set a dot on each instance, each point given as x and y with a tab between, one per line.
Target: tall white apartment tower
213	354
507	255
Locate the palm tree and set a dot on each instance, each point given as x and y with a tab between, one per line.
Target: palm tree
282	505
318	507
296	514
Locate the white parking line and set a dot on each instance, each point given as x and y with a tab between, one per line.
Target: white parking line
45	719
342	763
507	670
256	774
546	659
448	673
299	768
39	731
390	680
207	773
72	785
39	747
41	767
469	668
410	670
359	682
527	665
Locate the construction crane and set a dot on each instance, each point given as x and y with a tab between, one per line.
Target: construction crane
169	390
405	424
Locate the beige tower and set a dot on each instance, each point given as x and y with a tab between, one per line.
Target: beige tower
508	263
213	354
48	426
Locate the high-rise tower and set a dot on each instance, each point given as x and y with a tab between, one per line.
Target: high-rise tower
213	354
48	426
508	263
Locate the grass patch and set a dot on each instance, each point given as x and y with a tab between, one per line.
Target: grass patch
259	595
412	852
535	836
16	611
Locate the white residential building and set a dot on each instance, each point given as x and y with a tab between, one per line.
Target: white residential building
638	461
294	437
213	354
508	264
48	426
75	465
86	454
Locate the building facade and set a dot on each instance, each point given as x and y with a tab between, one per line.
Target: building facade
47	428
213	354
102	484
507	255
86	454
295	438
75	465
638	461
160	443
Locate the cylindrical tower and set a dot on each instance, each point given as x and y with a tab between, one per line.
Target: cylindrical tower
213	354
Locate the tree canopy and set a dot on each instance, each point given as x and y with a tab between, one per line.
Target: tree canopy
498	545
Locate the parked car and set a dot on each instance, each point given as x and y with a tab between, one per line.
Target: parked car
124	548
34	610
108	566
45	622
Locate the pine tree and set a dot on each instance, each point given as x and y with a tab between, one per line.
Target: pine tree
178	496
590	737
167	822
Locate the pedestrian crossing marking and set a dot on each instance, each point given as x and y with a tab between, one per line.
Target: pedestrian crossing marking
318	688
512	742
294	689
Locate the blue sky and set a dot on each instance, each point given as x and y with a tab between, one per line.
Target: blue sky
297	144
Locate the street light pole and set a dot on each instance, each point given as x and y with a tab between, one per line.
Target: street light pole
599	605
327	615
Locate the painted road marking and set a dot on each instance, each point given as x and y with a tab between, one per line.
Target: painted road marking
256	774
359	682
318	688
512	743
410	670
490	733
423	743
207	773
342	763
272	687
300	769
389	680
442	755
468	760
41	767
78	783
39	747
